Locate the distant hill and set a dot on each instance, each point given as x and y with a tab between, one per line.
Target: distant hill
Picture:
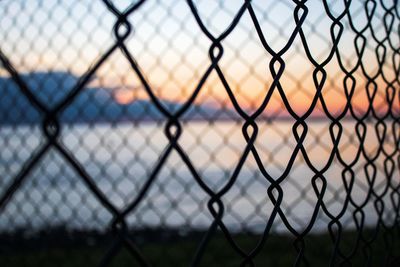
92	105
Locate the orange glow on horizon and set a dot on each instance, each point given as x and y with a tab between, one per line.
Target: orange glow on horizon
125	96
249	96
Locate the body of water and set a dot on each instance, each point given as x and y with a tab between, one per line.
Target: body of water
120	158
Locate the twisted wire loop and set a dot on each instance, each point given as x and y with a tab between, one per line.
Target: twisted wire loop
385	126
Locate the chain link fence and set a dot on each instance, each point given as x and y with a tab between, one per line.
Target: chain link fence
199	133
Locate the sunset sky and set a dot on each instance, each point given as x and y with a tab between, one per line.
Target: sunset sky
64	35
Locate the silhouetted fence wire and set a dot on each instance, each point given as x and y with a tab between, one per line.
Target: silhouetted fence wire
207	119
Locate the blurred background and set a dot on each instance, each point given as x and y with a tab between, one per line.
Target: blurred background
210	133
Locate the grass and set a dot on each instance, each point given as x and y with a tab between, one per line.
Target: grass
177	250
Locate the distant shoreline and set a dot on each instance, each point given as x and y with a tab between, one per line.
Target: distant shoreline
184	120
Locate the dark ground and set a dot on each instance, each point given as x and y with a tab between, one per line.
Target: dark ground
60	247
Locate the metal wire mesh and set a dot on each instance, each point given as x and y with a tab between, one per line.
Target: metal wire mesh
138	125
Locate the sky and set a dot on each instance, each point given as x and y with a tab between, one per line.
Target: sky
171	50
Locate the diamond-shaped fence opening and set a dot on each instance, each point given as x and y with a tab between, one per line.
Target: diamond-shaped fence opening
199	133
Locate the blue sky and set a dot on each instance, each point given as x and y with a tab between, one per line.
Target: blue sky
69	35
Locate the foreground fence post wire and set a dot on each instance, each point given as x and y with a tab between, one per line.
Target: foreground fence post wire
200	133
